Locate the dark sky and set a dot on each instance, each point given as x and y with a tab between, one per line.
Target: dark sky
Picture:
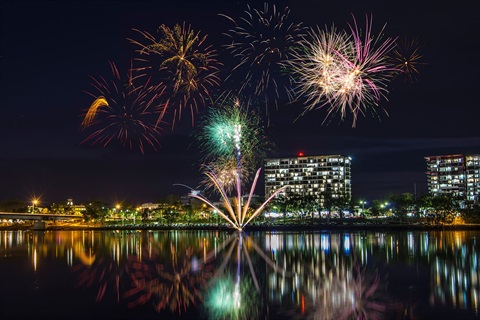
49	50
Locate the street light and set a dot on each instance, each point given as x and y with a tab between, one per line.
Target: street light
117	209
385	206
34	203
363	203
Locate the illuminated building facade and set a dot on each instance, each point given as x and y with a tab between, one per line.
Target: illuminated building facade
309	176
472	169
456	174
76	209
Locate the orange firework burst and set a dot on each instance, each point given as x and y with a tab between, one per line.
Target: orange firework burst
183	66
92	111
406	59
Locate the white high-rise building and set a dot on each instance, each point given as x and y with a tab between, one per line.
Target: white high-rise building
309	176
472	169
456	174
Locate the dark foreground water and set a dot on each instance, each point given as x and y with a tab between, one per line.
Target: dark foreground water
230	275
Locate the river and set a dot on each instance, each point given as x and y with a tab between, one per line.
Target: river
195	274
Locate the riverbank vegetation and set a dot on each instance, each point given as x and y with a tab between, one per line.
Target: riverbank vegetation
396	210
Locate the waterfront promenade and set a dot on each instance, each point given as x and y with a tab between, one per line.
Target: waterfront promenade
299	225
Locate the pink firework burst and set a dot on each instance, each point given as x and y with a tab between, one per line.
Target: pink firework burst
343	71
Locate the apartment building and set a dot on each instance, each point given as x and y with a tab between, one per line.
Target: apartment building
472	170
456	174
309	175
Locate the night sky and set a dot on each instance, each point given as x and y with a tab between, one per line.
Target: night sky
49	49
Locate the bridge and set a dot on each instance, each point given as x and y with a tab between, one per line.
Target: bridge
38	218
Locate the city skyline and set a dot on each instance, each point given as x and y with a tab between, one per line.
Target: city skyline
49	54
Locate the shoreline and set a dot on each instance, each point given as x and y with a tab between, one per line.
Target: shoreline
342	226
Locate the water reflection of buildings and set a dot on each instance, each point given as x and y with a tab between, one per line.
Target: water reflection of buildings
319	262
331	278
455	272
323	259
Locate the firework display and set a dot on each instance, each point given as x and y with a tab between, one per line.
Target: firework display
406	59
182	66
235	211
261	42
122	114
226	171
343	71
234	143
233	139
268	58
347	72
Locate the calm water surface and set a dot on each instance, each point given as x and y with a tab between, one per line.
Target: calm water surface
230	275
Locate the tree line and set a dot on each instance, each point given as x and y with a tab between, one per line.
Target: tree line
436	209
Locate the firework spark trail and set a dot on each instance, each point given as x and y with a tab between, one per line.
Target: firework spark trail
344	71
233	141
182	66
236	215
371	70
231	135
227	172
323	70
261	42
406	58
123	113
92	111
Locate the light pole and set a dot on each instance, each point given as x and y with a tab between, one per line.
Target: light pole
117	209
34	203
363	203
